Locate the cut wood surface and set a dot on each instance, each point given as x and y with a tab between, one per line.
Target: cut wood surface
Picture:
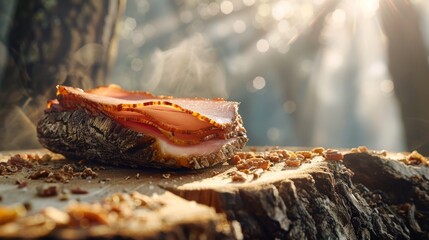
364	196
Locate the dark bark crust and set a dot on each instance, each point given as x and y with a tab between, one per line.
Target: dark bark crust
405	189
78	134
385	199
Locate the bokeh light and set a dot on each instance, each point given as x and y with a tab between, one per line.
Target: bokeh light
239	26
213	8
249	2
226	7
273	134
262	45
258	83
259	47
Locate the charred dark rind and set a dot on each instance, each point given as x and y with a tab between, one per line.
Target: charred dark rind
78	134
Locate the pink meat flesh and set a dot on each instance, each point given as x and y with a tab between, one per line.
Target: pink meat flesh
182	126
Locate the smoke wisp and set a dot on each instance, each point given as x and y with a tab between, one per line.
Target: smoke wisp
189	69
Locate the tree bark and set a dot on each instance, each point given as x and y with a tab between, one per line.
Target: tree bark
409	68
365	196
51	43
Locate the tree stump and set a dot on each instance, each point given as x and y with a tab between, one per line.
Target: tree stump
364	196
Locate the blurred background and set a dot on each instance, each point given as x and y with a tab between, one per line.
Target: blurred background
307	72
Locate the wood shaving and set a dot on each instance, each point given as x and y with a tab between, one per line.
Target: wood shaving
47	190
78	190
305	154
255	162
10	213
21	183
59	217
415	158
333	155
40	173
318	150
293	162
360	149
21	161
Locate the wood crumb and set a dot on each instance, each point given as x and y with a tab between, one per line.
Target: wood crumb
88	173
238	176
78	190
382	153
362	149
90	213
47	190
305	154
255	162
40	173
59	217
293	162
21	183
273	157
318	150
235	159
333	155
10	213
283	153
415	158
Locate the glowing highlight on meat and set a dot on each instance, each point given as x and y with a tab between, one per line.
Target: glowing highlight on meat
165	131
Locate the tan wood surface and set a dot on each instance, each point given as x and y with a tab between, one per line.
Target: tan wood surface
366	195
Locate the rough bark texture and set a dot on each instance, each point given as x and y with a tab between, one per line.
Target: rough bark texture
78	134
405	189
51	43
325	202
363	197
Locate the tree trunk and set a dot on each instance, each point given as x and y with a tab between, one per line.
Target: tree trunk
51	43
409	68
365	196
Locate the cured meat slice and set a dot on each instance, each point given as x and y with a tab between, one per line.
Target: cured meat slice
137	129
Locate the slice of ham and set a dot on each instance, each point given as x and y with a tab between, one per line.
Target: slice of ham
188	132
169	115
221	112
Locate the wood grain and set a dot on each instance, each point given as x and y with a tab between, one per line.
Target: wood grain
364	196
